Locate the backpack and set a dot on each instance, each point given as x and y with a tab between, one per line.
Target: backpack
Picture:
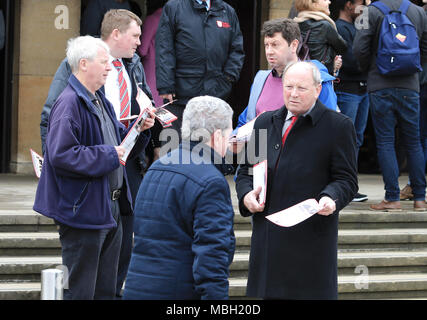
398	44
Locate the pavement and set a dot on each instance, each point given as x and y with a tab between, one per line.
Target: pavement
18	191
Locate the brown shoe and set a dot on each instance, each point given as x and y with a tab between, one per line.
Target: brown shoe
388	206
406	193
420	205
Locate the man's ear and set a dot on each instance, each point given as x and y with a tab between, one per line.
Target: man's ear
115	34
83	64
294	45
318	90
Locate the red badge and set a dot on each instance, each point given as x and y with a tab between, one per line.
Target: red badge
222	24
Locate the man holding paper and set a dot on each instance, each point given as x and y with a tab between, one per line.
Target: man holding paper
120	30
82	186
310	153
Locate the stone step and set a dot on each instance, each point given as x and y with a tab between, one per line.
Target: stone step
383	286
361	219
352	263
26	268
29	243
363	239
365	219
20	291
25	221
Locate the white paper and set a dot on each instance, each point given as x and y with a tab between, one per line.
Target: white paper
244	132
295	214
37	162
260	179
132	136
143	100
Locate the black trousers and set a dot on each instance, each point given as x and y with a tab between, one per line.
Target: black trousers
91	257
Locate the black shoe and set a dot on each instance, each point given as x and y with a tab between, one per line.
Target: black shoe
359	197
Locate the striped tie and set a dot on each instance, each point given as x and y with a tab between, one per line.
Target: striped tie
124	96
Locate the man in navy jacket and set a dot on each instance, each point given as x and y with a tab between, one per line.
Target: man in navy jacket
83	187
184	239
199	51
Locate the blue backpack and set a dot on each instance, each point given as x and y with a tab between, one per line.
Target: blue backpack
398	44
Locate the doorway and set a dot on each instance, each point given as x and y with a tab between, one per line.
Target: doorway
6	66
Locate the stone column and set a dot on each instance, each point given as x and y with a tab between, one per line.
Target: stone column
44	28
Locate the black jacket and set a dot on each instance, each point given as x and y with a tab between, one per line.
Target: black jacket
198	52
324	42
366	43
318	158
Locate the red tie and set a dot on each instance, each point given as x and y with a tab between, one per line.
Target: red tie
124	96
294	119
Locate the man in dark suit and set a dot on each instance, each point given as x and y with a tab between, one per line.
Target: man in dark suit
313	156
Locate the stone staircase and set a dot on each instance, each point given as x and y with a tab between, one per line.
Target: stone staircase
381	255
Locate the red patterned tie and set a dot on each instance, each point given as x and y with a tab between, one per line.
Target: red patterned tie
124	96
294	119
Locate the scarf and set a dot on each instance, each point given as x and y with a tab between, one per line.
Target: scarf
315	15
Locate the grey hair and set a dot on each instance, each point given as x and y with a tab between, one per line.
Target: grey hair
203	116
315	71
85	47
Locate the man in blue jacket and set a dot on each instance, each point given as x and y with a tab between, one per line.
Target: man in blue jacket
184	239
199	51
281	40
83	186
120	30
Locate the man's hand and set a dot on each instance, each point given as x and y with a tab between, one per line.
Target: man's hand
236	146
167	96
327	206
251	201
149	122
120	151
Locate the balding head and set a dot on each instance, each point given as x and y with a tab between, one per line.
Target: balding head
301	86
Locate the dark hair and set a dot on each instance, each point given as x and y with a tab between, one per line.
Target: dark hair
153	5
289	29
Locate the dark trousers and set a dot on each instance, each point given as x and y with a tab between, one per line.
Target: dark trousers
133	171
91	257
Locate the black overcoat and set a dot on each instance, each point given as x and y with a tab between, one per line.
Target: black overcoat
318	158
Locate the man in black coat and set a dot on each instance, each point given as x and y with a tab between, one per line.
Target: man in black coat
199	51
317	160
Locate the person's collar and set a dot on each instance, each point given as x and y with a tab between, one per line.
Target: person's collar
275	73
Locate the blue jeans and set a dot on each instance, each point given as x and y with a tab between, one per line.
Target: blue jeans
391	107
356	107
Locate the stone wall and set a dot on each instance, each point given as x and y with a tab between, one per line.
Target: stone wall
44	28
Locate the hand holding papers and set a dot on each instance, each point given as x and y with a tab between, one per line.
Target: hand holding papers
37	162
260	179
133	133
295	214
244	132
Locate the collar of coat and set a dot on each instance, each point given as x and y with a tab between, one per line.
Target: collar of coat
206	155
313	117
216	5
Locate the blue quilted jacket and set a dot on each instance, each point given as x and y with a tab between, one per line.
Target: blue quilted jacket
184	239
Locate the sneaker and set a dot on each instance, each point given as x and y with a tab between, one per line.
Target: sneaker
406	193
359	197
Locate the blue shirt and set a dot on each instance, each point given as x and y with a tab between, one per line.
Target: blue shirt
207	1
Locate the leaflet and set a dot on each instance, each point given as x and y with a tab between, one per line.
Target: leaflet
37	162
132	137
260	179
244	132
164	116
295	214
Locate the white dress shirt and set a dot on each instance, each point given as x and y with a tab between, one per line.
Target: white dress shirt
112	89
